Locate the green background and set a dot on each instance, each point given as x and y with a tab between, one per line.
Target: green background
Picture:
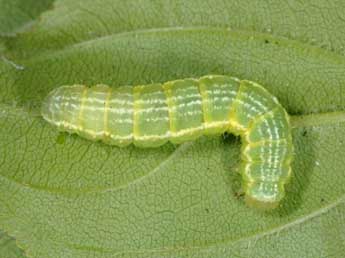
63	196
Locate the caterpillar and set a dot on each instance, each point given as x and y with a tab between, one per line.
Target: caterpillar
182	110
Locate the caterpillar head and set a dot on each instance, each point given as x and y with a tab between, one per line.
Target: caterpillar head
264	195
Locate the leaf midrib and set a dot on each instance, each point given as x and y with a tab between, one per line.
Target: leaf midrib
273	230
301	121
284	41
311	120
226	242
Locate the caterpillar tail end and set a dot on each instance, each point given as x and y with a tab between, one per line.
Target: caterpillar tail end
48	105
61	107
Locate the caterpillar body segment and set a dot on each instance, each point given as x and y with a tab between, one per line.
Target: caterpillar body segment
182	110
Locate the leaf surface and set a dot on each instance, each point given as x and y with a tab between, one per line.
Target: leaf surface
63	196
19	15
8	248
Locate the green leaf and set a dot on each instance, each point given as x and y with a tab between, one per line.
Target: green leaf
8	248
19	15
63	196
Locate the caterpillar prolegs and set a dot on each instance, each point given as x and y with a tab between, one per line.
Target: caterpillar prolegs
182	110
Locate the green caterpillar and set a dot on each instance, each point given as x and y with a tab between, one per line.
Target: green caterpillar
182	110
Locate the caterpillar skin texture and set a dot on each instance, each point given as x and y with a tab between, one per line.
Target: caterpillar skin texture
180	111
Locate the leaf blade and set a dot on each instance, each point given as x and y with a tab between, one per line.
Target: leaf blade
75	198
